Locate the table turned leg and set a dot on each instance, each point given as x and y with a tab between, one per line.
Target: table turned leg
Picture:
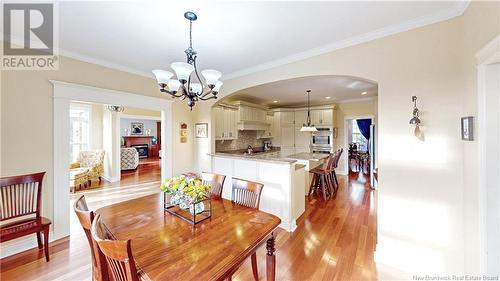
270	259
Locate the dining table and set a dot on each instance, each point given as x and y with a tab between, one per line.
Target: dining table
166	247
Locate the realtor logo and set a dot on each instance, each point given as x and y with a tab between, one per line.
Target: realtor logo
28	36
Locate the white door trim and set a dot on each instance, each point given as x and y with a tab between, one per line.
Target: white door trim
488	55
63	93
346	148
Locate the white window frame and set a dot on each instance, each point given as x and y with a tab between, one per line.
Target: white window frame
89	109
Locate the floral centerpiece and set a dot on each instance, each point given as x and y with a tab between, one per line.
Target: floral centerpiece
187	193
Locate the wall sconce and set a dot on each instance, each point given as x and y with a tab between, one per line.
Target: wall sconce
415	120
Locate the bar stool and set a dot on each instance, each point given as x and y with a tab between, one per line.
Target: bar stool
322	179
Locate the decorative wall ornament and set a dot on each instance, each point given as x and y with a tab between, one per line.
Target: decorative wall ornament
201	130
184	133
415	120
467	126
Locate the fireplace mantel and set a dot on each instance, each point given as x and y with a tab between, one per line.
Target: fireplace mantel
138	139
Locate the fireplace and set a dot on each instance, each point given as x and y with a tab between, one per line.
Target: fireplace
143	150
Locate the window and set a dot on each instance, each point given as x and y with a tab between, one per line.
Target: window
79	136
358	138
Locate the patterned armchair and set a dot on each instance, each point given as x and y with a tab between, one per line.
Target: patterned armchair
129	158
93	160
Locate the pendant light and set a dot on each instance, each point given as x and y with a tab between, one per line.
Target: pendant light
308	127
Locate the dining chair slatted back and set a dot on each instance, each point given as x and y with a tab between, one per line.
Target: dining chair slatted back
86	217
118	253
216	181
20	196
337	158
328	164
246	193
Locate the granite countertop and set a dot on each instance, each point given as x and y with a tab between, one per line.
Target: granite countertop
308	156
257	151
261	157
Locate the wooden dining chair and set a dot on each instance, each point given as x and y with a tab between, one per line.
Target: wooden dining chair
216	181
247	193
86	217
335	166
118	253
20	204
322	179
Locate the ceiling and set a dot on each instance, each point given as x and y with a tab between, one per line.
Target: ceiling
292	92
234	37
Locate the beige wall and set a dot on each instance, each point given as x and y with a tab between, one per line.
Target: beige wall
141	112
347	110
423	194
26	117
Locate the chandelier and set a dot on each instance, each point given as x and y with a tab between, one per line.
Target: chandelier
189	86
115	108
308	127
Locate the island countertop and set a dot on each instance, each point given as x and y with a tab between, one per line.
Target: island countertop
256	157
308	156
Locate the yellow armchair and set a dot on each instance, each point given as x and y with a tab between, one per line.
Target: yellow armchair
93	160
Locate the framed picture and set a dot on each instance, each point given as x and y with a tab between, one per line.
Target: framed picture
468	128
201	130
136	128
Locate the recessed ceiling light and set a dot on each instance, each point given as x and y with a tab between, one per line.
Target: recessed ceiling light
328	98
275	101
364	93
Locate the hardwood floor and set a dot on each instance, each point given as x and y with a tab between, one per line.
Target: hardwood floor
334	240
148	170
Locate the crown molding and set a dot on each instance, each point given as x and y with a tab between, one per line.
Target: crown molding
356	100
489	53
458	10
105	63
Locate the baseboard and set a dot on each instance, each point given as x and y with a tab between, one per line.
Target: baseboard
111	179
22	244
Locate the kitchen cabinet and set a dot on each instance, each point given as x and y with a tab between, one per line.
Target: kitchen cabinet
253	114
302	139
269	131
287	139
287	117
225	123
322	117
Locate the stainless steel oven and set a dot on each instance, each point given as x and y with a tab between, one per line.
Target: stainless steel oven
323	138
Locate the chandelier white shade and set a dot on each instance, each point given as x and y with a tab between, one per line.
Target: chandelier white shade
185	85
162	76
182	70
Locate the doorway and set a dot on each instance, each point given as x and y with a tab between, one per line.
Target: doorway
361	140
489	155
64	93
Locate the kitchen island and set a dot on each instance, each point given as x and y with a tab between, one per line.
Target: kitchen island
283	178
311	161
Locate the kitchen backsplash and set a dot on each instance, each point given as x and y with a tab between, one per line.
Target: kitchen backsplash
245	138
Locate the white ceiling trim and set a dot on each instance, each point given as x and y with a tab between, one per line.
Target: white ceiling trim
459	9
104	63
357	100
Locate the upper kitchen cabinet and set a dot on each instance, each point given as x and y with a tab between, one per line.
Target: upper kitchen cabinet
287	117
322	117
251	117
226	118
250	113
